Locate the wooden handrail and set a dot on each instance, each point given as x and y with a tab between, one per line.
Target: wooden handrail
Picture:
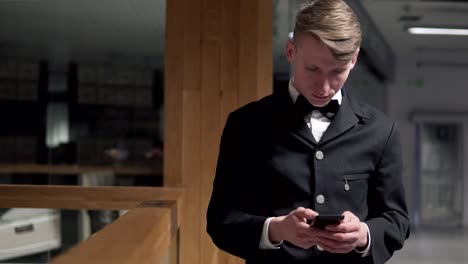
77	197
145	234
79	169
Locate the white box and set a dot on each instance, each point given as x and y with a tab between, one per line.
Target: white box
26	231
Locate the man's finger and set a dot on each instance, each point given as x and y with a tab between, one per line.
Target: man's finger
305	213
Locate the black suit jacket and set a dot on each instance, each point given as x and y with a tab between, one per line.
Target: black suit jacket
267	167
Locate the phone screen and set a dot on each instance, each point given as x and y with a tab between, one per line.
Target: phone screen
321	221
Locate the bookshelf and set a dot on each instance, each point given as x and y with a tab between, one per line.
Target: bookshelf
22	109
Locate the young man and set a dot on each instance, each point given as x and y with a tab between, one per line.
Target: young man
309	150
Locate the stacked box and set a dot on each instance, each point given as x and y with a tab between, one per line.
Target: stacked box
137	149
26	149
87	74
8	69
19	80
8	89
146	122
116	86
143	97
146	128
27	91
126	96
87	94
8	145
113	114
106	95
86	148
144	78
103	145
127	121
113	128
28	71
126	77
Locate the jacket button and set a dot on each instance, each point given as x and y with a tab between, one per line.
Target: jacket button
320	199
319	155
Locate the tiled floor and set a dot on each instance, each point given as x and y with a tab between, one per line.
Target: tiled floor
434	246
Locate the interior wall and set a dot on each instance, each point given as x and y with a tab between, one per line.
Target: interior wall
433	89
367	87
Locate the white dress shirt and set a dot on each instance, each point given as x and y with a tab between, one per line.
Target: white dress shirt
318	123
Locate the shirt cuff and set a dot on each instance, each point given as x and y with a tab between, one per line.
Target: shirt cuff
265	242
366	252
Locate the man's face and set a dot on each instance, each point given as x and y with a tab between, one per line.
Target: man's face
318	75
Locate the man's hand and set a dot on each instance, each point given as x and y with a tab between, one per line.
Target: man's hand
341	238
344	237
294	228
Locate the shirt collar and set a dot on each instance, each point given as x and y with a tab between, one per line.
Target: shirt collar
294	93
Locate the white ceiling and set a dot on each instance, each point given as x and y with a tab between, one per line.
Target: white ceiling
392	17
71	29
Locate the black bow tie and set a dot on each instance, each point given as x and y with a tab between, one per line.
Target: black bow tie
304	107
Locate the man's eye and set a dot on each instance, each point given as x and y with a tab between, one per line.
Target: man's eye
338	71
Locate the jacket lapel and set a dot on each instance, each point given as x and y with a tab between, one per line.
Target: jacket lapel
349	114
345	119
299	129
295	124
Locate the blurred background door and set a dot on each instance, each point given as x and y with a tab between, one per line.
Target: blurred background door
440	152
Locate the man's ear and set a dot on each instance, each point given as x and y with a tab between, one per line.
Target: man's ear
355	57
290	51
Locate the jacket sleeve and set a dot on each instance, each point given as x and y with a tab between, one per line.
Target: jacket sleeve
388	216
231	220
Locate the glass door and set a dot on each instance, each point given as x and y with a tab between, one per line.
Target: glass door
440	174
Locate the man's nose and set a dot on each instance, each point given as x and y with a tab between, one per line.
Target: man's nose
323	85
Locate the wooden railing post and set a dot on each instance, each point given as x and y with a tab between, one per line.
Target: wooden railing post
219	56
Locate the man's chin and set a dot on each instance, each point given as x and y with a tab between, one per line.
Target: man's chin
321	102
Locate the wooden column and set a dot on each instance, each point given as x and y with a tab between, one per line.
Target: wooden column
218	57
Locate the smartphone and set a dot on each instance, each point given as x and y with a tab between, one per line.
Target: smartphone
321	221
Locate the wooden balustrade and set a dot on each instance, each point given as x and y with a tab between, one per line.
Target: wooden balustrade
145	234
71	169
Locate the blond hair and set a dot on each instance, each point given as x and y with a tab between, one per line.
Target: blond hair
334	23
